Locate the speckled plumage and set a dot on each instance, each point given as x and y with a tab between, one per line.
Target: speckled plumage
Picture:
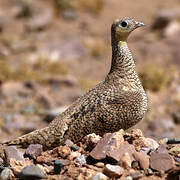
117	102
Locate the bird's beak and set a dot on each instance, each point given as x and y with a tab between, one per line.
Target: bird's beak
139	24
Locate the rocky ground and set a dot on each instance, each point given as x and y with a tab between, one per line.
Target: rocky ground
119	155
51	52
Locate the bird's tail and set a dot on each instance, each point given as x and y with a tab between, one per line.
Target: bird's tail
40	136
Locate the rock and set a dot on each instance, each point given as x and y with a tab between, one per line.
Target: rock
116	154
146	150
136	133
126	160
137	175
69	49
108	146
87	173
135	165
143	159
176	117
90	141
32	172
74	155
128	178
34	150
40	20
145	142
162	149
163	18
16	166
161	161
113	170
69	143
99	176
1	161
5	174
64	151
99	164
74	148
18	121
172	28
12	152
58	165
81	160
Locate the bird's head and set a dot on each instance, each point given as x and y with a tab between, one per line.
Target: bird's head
121	28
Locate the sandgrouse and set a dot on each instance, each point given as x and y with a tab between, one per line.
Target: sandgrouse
118	102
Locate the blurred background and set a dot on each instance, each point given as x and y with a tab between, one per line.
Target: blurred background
52	51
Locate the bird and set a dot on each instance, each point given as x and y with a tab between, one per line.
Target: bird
118	102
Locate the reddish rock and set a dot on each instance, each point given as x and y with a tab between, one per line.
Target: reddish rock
143	159
162	149
161	161
113	170
117	153
108	146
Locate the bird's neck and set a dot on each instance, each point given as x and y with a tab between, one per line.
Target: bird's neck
123	65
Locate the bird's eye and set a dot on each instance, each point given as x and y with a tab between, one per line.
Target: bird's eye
124	24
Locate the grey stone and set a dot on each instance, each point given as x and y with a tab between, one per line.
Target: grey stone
81	160
32	172
12	152
34	150
99	176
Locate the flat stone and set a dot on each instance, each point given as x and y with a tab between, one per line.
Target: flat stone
32	172
113	170
99	176
108	146
162	149
34	150
143	159
12	152
161	161
116	154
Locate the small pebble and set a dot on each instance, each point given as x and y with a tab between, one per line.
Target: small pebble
58	165
149	171
99	176
137	175
81	160
74	148
99	164
128	178
113	170
5	174
32	172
